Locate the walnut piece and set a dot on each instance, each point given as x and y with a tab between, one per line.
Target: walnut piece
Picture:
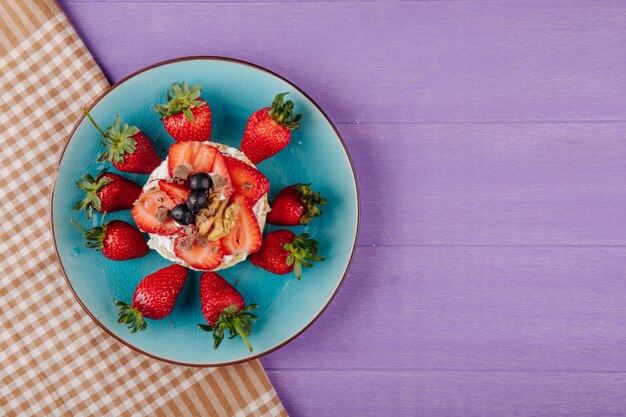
226	218
215	221
206	216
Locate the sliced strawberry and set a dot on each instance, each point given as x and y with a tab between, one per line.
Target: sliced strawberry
247	180
221	178
245	235
151	212
206	258
176	192
198	156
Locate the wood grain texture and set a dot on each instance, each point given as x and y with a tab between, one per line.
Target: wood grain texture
490	184
451	394
528	309
393	61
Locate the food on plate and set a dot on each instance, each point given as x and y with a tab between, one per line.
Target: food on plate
186	116
127	147
106	192
295	205
116	239
154	298
282	252
202	208
268	130
224	309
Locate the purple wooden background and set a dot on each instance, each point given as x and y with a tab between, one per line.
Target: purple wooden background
490	141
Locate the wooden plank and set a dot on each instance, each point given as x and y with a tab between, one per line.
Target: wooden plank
393	61
433	308
494	184
450	394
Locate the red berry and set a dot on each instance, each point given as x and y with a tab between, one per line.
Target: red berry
116	239
199	253
224	309
186	158
152	213
247	180
295	205
128	148
186	116
283	252
106	192
268	130
245	235
154	297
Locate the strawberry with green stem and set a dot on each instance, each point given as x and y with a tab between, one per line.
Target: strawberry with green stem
154	297
268	130
282	252
294	205
106	192
127	147
186	116
118	240
224	309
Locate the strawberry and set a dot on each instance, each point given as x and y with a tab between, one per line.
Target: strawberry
116	239
247	180
176	192
295	205
198	252
154	297
106	192
283	252
245	235
221	178
186	158
186	116
224	308
269	130
152	213
128	148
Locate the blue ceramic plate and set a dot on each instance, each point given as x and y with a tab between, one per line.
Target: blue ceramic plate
316	154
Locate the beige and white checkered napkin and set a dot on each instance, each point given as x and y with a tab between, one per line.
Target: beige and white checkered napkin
53	359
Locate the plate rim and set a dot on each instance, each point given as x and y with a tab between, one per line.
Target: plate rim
204	58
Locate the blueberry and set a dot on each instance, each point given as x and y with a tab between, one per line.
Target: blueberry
182	215
197	199
200	181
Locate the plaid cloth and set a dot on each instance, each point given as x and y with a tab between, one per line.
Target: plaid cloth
54	359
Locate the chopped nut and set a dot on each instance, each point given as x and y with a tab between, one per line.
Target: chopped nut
187	237
182	171
224	222
206	216
203	241
246	186
163	214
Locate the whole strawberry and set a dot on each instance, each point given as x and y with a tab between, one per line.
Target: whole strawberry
295	205
116	239
128	148
282	252
106	192
224	309
269	130
154	297
186	116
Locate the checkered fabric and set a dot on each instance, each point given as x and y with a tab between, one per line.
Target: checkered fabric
53	359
